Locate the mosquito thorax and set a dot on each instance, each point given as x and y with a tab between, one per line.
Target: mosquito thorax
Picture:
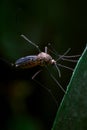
44	57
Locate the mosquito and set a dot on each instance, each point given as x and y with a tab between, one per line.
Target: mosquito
43	59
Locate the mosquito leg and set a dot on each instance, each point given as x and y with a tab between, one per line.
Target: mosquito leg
69	60
72	56
63	66
36	74
48	90
30	42
56	80
58	83
63	54
53	50
45	49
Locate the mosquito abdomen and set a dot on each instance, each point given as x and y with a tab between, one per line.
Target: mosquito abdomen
27	62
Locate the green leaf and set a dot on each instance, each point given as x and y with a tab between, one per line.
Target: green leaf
72	113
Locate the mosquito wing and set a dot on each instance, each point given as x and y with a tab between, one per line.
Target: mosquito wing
27	62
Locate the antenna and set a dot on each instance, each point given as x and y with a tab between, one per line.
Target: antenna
30	42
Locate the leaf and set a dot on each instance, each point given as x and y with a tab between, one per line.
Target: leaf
72	113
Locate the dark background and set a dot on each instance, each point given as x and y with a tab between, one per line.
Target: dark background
26	104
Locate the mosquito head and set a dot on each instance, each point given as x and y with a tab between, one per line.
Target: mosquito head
53	62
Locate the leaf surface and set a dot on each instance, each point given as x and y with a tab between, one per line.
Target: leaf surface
72	113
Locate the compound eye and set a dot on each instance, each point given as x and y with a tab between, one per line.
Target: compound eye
53	61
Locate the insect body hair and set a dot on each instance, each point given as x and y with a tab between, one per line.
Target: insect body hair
45	59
